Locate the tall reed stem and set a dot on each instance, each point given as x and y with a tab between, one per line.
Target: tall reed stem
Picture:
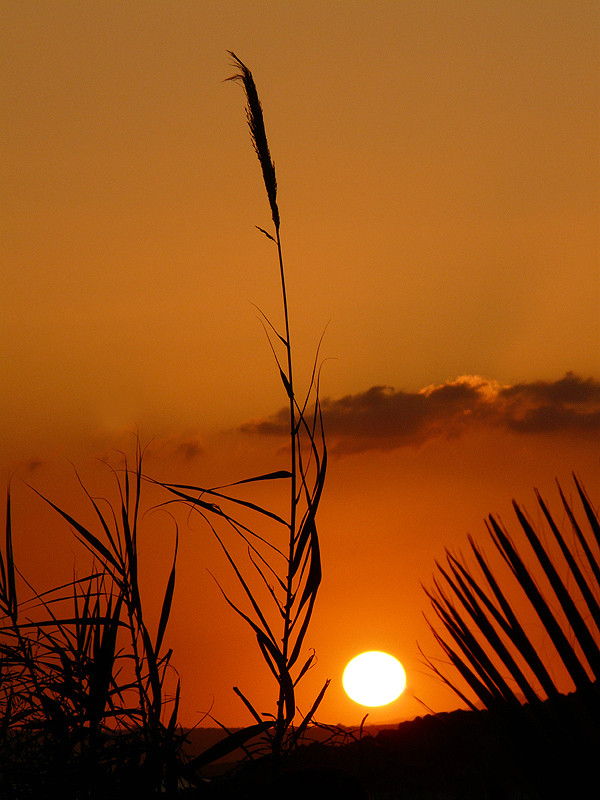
292	593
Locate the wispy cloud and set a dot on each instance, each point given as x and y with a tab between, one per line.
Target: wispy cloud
382	418
183	448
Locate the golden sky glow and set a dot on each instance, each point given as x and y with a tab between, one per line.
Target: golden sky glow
439	186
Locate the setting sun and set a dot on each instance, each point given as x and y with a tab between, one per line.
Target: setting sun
374	679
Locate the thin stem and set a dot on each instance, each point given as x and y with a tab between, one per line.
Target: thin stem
281	721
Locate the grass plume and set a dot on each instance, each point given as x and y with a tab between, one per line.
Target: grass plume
258	134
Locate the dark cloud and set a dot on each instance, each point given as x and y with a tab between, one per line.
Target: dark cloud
34	464
189	449
183	448
570	389
383	419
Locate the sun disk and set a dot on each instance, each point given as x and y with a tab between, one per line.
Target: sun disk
374	678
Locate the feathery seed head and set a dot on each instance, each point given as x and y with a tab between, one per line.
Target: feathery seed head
256	124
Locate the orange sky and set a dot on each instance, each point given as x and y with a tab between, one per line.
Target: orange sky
439	185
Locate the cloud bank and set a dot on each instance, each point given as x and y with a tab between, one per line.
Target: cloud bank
382	418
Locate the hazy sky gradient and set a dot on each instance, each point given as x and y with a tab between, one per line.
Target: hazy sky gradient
439	186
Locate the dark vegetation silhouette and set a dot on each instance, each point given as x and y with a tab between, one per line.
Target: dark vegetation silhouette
507	638
89	696
291	574
483	637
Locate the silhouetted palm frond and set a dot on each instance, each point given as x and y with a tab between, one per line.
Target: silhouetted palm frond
552	579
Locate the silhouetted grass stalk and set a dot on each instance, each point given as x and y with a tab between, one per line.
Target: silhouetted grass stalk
297	538
293	593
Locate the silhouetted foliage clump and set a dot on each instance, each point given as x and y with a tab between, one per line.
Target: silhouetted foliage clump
85	703
89	698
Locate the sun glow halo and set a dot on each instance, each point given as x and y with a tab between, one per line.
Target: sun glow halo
374	679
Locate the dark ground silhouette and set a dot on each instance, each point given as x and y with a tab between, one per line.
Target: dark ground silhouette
550	750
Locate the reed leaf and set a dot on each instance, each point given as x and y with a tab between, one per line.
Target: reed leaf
114	543
215	509
167	601
225	747
171	725
255	605
269	476
9	591
310	661
266	583
299	732
88	539
248	704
